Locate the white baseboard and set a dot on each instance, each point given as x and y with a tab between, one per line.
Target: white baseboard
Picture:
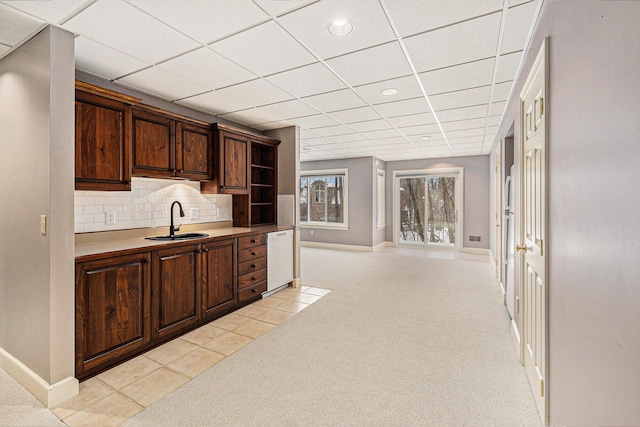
477	251
380	246
337	246
49	394
515	334
296	283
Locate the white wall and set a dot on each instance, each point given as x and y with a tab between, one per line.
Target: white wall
148	205
594	228
36	178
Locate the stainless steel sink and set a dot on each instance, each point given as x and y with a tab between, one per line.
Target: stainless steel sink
183	236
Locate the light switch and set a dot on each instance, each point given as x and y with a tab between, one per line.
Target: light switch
43	225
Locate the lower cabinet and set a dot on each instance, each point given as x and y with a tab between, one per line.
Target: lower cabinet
176	289
126	304
219	290
112	309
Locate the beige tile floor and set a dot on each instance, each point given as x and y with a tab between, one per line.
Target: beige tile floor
116	395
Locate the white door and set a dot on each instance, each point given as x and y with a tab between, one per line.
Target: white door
533	215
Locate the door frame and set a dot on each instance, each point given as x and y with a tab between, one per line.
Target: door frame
397	174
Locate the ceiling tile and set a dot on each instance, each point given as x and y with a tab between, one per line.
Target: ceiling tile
355	115
314	121
348	138
518	23
464	124
336	100
436	13
213	102
254	93
383	133
249	117
307	134
360	144
308	80
287	109
198	65
163	83
263	50
465	42
103	61
404	107
466	132
517	2
334	130
407	88
16	26
494	120
309	24
508	67
272	125
127	29
497	108
195	18
462	98
395	140
279	7
458	77
476	112
412	120
420	129
54	11
501	91
370	125
371	65
4	49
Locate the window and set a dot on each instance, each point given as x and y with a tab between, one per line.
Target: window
380	203
323	198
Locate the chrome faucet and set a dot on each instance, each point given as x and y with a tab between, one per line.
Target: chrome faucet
172	229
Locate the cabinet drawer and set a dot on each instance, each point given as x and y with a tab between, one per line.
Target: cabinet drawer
251	241
251	292
251	278
251	266
251	253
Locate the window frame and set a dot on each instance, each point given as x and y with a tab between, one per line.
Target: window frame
380	199
324	173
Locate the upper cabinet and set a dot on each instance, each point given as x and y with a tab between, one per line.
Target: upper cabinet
248	171
102	133
167	146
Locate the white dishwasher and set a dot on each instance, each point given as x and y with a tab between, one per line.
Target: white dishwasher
279	260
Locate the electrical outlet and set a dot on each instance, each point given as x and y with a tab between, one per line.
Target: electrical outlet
311	232
478	239
110	218
195	213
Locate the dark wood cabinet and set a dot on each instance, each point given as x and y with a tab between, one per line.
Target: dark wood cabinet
247	169
252	267
112	309
176	289
166	147
194	151
219	290
102	139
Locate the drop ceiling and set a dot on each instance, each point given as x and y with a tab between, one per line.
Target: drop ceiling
270	64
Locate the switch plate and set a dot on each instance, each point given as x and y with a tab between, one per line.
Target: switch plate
195	213
110	218
43	225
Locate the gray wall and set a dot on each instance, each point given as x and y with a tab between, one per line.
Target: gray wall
360	187
36	178
594	231
476	194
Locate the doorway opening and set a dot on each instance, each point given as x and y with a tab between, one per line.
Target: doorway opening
427	208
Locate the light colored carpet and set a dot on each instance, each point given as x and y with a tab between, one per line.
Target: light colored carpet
403	339
18	407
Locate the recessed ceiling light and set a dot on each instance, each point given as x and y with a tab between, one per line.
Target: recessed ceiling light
340	27
426	137
389	92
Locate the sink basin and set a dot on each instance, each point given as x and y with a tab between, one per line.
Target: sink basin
183	236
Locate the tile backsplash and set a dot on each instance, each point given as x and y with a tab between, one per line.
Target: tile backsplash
147	205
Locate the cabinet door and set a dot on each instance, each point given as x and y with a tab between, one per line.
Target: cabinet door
194	151
112	309
102	143
153	144
234	173
176	289
219	291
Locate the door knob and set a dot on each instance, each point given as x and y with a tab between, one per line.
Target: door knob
521	248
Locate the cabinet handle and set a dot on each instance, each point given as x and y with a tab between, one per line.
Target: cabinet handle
253	253
253	240
253	266
253	278
254	290
205	250
181	170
